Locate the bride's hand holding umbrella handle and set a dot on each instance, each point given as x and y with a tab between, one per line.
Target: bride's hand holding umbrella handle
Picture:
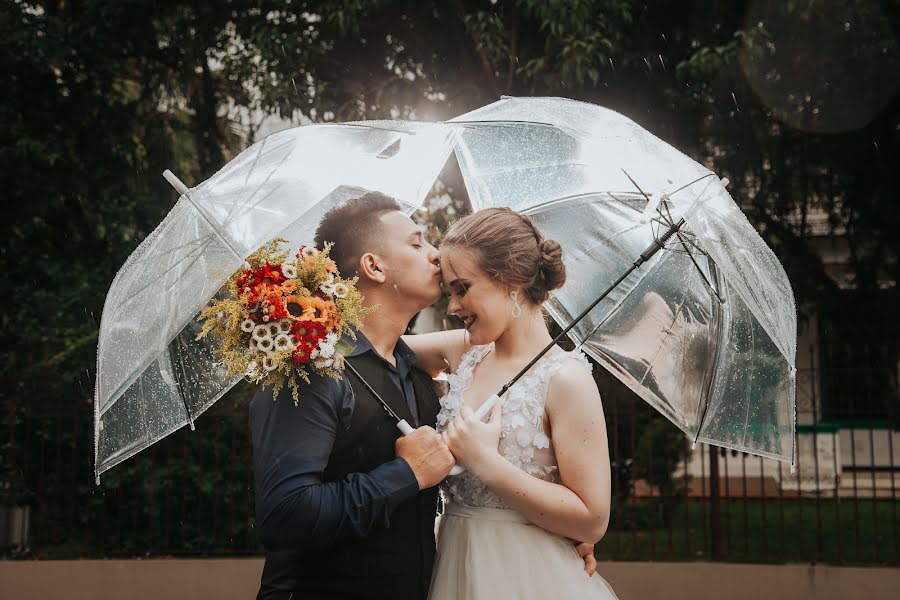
483	411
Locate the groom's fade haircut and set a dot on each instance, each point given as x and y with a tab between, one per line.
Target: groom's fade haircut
354	228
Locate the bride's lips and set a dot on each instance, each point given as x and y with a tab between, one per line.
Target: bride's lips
468	321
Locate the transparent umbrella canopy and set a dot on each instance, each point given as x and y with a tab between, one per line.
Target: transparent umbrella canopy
153	375
705	329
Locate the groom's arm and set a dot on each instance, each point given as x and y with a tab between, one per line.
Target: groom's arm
291	446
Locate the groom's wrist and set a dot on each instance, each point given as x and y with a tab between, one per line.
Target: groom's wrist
396	480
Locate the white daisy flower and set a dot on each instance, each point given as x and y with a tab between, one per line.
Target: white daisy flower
309	251
340	290
265	344
289	271
331	338
254	346
260	332
284	325
326	350
247	325
324	363
328	288
282	342
269	364
273	329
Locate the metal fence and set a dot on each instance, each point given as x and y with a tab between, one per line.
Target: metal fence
192	493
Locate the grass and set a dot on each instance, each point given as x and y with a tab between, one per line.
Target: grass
854	532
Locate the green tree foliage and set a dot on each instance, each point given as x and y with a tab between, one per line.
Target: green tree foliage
796	103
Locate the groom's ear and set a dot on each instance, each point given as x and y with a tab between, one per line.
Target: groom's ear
371	267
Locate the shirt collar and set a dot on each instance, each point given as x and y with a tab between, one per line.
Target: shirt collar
363	345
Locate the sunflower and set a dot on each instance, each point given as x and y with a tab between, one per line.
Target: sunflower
299	307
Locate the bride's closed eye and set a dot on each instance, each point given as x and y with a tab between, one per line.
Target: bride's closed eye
459	289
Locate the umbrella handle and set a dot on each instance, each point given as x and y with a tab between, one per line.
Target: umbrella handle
483	411
480	414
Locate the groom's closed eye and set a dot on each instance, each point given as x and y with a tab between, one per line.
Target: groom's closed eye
417	240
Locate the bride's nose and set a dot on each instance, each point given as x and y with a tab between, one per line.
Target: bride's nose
452	305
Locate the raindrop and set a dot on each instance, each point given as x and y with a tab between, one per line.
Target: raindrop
662	62
612	65
735	101
647	62
874	143
295	86
664	38
282	51
846	25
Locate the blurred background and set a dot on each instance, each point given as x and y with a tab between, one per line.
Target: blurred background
795	102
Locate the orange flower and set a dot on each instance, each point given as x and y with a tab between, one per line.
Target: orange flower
321	309
300	308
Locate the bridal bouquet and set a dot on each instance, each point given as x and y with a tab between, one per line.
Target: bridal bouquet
283	316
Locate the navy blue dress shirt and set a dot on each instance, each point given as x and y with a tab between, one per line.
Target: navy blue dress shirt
295	508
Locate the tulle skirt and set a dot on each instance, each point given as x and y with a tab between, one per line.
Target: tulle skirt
492	554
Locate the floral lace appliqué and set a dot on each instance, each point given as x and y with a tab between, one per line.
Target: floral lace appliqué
523	440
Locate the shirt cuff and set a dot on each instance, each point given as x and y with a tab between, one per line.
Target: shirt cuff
396	480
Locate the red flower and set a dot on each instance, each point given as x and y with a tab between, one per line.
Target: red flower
301	353
308	332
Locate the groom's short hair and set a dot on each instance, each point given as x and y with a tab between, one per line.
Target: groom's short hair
354	228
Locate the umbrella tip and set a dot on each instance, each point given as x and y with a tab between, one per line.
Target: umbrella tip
175	182
192	426
725	182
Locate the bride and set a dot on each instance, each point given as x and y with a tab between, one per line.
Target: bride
538	474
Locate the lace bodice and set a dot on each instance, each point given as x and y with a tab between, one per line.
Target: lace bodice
523	440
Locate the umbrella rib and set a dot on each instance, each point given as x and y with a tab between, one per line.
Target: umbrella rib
687	185
247	204
749	387
668	332
694	260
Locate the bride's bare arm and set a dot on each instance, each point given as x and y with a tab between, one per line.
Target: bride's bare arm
578	508
438	351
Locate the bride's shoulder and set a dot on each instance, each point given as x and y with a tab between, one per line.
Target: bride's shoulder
571	380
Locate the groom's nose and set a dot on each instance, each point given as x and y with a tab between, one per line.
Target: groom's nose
434	257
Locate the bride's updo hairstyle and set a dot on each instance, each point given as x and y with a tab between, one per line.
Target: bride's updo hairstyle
511	250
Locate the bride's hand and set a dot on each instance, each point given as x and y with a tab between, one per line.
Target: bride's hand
473	443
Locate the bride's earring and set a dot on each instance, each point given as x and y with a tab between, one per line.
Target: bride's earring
517	308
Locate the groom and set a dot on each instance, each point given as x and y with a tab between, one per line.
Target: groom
336	486
345	505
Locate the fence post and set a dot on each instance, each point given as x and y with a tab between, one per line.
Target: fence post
715	515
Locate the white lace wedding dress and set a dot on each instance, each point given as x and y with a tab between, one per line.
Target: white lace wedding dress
485	549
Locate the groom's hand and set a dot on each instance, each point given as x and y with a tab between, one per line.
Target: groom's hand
586	552
427	455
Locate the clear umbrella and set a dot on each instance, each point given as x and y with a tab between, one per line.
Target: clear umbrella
153	375
704	327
